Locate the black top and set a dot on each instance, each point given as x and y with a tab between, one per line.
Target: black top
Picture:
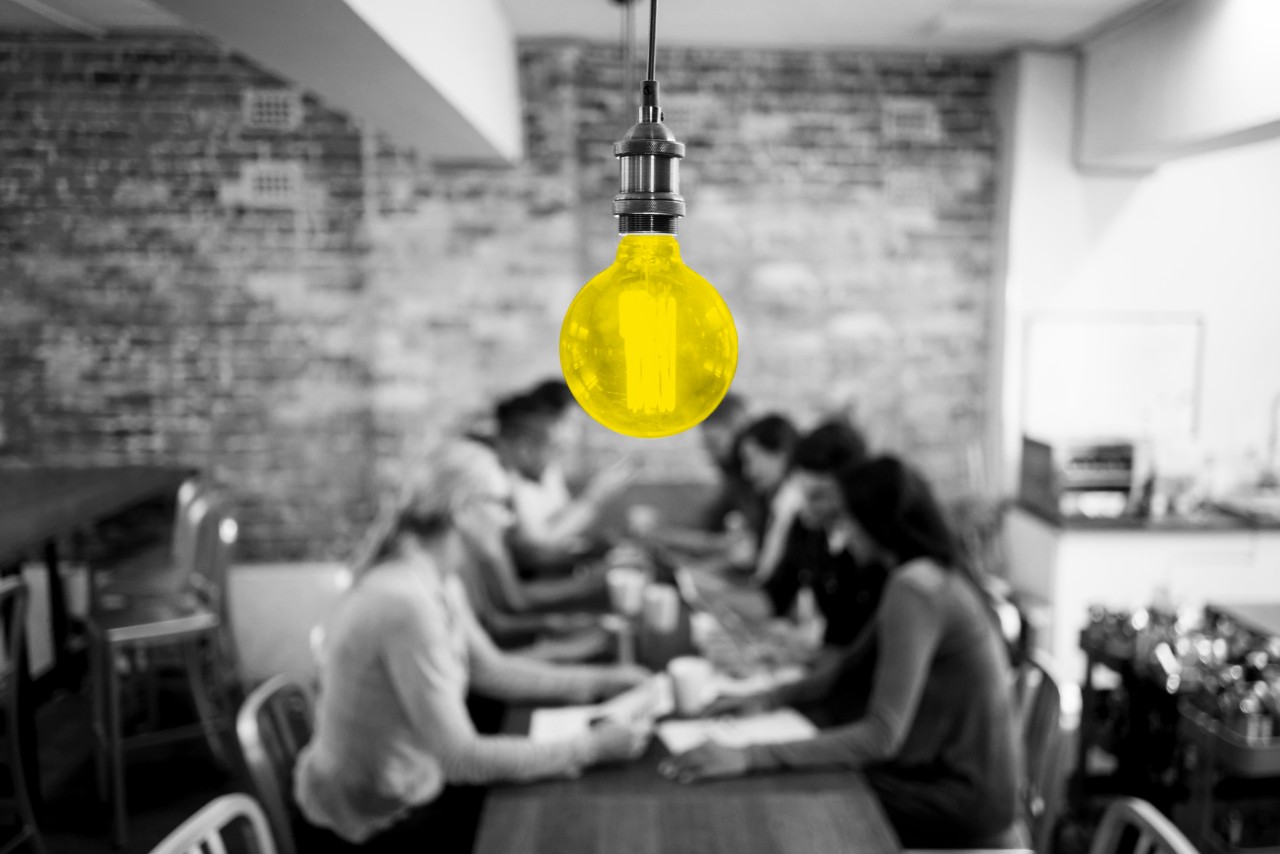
847	592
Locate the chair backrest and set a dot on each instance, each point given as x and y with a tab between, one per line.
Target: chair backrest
273	725
183	544
206	831
215	541
1043	749
1133	826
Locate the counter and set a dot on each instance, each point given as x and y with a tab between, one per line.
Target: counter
1061	567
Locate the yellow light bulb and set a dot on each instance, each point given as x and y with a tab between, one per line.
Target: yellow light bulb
647	346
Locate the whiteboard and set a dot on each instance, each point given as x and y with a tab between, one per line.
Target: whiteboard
1134	375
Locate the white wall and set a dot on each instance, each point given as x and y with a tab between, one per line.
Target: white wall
1199	235
1187	75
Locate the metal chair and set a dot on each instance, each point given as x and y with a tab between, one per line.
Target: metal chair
1044	747
273	725
207	829
167	573
13	612
1133	826
192	623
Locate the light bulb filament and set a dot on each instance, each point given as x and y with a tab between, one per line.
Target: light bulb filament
647	323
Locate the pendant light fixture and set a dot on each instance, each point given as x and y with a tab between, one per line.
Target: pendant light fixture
647	346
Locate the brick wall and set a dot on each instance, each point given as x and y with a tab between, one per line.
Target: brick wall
146	316
842	203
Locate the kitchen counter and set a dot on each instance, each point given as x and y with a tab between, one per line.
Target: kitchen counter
1061	567
1202	520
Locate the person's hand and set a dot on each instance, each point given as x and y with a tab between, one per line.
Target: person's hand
704	762
740	704
617	742
618	678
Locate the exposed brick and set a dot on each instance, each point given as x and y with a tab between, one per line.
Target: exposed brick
294	355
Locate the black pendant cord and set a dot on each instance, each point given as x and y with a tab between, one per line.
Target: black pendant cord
653	35
628	50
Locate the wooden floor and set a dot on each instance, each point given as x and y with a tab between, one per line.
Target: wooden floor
165	784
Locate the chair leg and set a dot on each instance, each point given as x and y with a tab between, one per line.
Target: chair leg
29	830
204	702
115	748
97	710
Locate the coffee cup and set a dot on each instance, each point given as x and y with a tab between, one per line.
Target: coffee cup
626	589
691	684
661	608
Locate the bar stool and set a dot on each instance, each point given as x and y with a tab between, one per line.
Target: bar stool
13	611
192	623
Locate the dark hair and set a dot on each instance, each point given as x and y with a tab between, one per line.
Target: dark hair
773	432
896	507
830	448
520	414
552	393
731	406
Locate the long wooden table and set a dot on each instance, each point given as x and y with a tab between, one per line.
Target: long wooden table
632	809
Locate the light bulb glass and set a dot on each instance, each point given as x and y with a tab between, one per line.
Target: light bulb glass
647	346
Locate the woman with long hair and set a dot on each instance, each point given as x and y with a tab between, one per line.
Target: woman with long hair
395	760
936	740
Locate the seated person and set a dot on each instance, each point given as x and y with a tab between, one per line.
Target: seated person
937	741
733	510
394	758
763	450
823	549
554	529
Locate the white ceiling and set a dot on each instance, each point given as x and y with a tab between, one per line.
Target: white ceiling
935	25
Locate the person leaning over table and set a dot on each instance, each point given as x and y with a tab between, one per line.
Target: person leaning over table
394	762
822	547
937	739
763	452
555	530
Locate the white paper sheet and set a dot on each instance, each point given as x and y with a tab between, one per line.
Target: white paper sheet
767	728
642	704
560	723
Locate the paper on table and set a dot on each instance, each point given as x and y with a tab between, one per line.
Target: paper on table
560	723
644	703
768	728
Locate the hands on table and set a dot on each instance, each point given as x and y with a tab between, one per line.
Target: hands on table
707	761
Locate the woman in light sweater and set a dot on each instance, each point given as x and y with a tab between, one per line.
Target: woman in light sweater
936	741
395	761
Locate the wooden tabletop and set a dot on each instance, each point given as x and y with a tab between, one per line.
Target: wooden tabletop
632	809
41	502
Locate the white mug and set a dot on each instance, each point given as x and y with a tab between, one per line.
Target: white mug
691	683
626	589
661	608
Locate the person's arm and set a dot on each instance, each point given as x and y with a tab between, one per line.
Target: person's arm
512	677
417	652
783	583
818	682
502	585
909	627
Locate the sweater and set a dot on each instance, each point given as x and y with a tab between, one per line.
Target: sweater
402	651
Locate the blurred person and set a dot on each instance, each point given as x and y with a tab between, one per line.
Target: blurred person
395	763
733	512
823	549
937	740
555	530
763	452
